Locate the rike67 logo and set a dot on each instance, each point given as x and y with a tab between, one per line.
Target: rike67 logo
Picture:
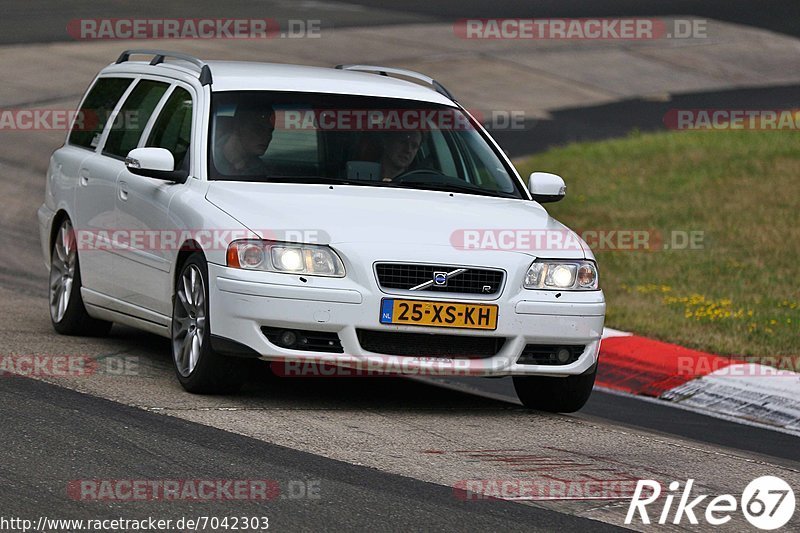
767	502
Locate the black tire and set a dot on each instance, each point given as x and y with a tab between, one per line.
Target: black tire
555	395
72	319
211	373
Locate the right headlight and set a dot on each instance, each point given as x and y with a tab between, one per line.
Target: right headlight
284	257
562	275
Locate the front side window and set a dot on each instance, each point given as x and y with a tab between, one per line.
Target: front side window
306	137
133	116
173	128
96	108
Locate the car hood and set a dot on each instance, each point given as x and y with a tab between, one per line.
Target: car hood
387	217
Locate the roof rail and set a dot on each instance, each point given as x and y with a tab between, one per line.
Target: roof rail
385	71
160	55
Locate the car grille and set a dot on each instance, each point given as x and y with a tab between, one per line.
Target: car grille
400	276
429	345
545	354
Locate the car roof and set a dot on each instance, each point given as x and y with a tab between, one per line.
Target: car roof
256	76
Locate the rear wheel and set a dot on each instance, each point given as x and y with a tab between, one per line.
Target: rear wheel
199	368
555	395
67	312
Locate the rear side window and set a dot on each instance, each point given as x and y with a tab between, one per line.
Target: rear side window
96	109
173	129
133	116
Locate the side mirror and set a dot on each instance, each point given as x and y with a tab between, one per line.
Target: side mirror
155	163
546	187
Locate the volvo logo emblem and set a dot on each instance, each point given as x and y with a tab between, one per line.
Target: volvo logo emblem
440	279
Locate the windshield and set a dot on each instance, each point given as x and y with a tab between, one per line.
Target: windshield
307	137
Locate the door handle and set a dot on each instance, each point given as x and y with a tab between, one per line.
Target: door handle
83	177
123	191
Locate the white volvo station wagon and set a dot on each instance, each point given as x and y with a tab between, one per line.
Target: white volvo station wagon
350	215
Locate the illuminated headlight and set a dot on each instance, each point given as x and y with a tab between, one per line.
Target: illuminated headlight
562	275
290	258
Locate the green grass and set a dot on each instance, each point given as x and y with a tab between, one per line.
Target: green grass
740	293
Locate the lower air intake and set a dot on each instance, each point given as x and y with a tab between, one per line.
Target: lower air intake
429	345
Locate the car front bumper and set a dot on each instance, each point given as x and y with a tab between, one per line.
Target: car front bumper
241	302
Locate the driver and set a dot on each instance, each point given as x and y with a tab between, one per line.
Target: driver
239	153
399	151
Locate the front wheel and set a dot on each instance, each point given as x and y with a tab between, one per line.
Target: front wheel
555	395
199	369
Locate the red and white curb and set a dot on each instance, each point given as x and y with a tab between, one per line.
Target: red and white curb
723	387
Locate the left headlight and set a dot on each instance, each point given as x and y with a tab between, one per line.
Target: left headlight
288	258
562	275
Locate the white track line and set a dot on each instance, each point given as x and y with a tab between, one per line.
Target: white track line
692	409
460	387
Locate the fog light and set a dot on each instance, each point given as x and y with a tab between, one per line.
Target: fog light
288	338
563	355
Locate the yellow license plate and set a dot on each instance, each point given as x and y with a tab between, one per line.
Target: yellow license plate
438	314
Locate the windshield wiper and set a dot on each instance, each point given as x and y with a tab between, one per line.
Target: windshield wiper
453	187
302	179
420	185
